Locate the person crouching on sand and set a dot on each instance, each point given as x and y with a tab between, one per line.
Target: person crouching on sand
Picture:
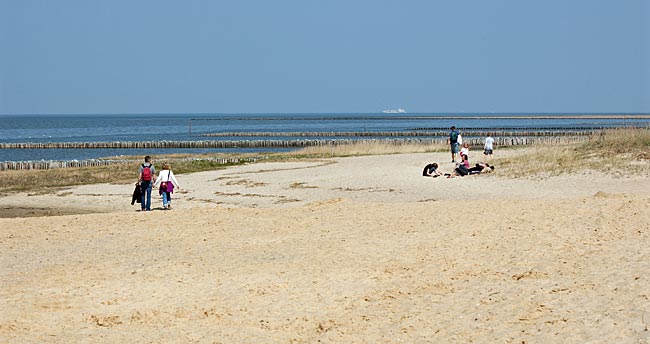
431	170
167	180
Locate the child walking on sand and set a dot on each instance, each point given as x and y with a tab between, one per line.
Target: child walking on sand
166	180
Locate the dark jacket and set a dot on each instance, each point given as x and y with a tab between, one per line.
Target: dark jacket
137	195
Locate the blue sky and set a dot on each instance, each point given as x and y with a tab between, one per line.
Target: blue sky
334	56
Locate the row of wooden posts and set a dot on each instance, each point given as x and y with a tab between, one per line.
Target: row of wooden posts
415	133
502	141
54	164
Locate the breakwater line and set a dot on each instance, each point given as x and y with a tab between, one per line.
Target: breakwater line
55	164
502	141
472	141
416	132
423	117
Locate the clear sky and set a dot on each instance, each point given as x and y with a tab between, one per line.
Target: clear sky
309	56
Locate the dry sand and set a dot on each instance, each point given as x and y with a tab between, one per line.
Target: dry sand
342	250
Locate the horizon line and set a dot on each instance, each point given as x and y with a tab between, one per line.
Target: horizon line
407	114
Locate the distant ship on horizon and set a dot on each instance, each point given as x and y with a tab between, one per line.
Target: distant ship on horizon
399	110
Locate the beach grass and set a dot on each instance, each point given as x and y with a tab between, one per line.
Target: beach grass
622	152
364	148
49	181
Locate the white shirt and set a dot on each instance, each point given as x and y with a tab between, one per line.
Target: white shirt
488	143
166	176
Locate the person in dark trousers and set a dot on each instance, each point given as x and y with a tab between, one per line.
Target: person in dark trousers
481	168
146	175
462	168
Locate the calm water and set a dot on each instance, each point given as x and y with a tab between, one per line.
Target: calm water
99	128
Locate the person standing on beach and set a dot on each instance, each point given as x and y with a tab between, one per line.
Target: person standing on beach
453	142
167	180
146	173
489	146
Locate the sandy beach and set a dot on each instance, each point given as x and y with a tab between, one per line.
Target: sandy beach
341	250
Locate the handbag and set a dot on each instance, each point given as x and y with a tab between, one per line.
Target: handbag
168	186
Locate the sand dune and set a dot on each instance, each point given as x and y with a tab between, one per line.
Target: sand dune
357	249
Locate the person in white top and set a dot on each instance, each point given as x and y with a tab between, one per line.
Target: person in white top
167	181
489	146
465	149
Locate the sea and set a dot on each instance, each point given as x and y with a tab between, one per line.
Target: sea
190	127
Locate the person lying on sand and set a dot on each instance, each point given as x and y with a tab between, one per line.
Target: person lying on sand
481	168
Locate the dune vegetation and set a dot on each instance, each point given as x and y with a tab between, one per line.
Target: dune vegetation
622	152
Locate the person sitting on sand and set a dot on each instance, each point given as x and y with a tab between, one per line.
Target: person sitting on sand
465	161
431	170
462	168
481	168
167	180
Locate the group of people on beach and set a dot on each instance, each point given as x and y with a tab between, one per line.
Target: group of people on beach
462	168
166	182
